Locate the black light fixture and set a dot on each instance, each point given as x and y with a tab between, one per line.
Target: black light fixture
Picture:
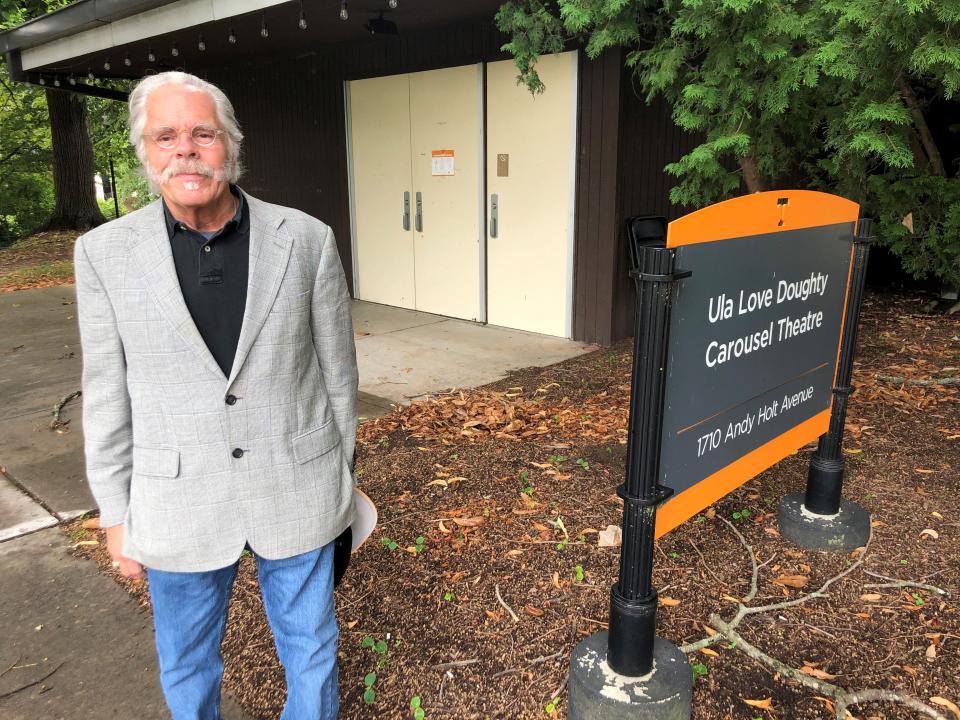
151	56
264	32
344	14
232	37
201	46
175	50
302	23
379	26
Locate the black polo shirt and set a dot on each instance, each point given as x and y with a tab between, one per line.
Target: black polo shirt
212	268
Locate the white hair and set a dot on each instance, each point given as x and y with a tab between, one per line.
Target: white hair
224	109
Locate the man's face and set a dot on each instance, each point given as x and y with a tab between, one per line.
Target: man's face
188	176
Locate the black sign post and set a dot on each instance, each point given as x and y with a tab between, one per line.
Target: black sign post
631	649
820	519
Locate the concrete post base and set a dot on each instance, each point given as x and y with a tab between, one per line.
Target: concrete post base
843	532
598	693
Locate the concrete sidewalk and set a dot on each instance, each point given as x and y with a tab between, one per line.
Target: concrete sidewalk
59	615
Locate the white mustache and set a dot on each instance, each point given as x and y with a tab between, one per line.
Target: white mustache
193	167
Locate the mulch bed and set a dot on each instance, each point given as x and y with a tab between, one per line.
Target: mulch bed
453	469
46	248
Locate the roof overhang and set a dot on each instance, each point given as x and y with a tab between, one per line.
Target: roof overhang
128	39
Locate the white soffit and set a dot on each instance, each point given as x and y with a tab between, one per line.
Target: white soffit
161	20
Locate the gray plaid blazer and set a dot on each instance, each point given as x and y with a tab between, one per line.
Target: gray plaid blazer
162	440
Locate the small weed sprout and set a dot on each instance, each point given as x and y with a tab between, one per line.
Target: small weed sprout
741	514
526	486
558	524
449	596
551	707
384	442
699	670
391	545
415	708
583	463
557	460
369	694
418	545
578	573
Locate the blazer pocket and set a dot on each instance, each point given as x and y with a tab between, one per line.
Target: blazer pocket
156	461
314	443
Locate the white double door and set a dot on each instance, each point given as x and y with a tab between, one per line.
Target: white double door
442	226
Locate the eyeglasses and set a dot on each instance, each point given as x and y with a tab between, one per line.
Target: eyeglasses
201	135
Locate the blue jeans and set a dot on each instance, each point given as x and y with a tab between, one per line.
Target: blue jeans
190	617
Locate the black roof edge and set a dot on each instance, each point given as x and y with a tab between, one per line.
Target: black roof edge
79	16
18	74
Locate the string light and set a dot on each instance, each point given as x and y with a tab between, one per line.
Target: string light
56	81
72	80
264	32
201	46
175	51
344	14
302	24
127	61
393	4
42	81
151	57
232	38
90	76
106	64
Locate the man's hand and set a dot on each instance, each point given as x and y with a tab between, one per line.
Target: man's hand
127	567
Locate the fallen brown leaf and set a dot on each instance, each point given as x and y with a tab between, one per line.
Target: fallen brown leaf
533	610
943	702
794	581
817	673
762	704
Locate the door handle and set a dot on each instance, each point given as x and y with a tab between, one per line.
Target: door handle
406	210
419	216
494	215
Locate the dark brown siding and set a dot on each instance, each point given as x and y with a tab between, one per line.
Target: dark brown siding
596	198
649	140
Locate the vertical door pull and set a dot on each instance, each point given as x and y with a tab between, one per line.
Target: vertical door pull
419	216
494	215
406	210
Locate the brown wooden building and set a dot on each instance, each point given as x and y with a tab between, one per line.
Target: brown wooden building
449	187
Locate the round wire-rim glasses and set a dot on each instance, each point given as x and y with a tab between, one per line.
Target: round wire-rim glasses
200	135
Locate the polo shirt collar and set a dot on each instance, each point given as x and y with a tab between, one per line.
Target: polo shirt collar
173	225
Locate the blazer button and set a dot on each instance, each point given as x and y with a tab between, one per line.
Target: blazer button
237	453
231	399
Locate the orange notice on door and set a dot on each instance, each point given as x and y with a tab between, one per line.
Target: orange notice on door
442	162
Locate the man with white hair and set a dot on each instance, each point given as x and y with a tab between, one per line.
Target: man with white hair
219	386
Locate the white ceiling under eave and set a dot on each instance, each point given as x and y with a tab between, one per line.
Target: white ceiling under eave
168	18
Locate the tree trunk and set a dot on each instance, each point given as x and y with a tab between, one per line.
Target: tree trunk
76	200
920	123
751	176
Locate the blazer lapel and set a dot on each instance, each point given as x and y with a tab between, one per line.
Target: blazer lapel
269	255
155	259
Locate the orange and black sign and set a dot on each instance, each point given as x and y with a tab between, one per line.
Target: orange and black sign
754	339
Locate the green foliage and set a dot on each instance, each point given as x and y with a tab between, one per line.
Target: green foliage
26	178
833	95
